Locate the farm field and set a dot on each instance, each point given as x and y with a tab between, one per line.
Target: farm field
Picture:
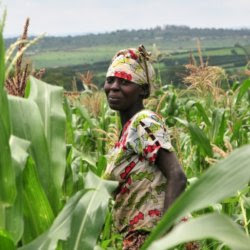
54	146
54	59
63	64
65	57
170	65
90	55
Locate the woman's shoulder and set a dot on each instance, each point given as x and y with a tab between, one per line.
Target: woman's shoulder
146	116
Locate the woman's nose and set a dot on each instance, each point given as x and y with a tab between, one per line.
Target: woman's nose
115	85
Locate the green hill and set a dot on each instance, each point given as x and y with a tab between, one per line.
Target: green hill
63	57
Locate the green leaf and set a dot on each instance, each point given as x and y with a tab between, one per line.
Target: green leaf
88	158
198	136
14	213
218	127
220	181
90	213
27	89
246	202
84	114
69	127
181	121
77	161
6	241
101	165
203	113
216	226
59	230
80	221
49	100
106	233
2	62
7	172
19	154
172	106
200	109
38	214
236	129
4	111
242	90
27	124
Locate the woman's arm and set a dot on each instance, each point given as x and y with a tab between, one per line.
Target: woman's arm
176	179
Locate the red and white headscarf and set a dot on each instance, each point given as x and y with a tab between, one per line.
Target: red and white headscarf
132	65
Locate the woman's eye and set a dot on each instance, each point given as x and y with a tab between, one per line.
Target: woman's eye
110	79
124	82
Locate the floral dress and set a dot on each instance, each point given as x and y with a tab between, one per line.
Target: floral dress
139	200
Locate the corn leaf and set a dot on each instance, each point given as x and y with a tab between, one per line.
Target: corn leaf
49	100
80	222
84	114
242	90
2	61
101	165
216	226
27	124
59	230
200	109
90	213
38	214
198	137
220	181
7	173
218	127
14	213
6	241
203	113
69	127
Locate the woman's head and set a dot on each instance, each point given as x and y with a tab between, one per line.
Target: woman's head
131	74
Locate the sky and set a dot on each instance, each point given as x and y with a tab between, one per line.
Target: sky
75	17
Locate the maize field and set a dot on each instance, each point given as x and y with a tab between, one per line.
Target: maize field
54	153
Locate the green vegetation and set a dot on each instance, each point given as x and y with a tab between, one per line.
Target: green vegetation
164	37
54	59
91	55
65	57
92	48
170	67
53	156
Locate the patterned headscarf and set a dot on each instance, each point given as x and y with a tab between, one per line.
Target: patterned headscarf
133	65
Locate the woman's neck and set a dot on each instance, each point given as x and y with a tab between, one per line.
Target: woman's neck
128	114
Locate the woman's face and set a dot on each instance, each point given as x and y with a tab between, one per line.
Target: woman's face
122	94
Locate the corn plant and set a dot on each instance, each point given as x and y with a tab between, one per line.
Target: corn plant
53	153
33	167
219	182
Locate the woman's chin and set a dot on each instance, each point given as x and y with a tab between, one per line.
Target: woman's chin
114	106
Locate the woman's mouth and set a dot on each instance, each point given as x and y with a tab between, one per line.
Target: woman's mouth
113	99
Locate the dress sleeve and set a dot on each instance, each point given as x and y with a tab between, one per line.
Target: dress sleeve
150	134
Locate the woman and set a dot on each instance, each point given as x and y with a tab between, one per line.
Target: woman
142	161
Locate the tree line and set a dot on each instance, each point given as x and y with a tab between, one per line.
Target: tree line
125	37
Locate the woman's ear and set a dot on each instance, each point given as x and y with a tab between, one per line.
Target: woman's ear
145	91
